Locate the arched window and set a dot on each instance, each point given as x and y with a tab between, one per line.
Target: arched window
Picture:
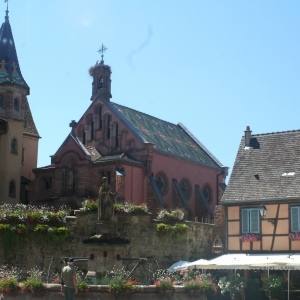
14	146
108	128
161	180
117	135
100	117
207	192
16	104
186	188
12	189
1	101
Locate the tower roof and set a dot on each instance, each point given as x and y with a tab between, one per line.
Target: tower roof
10	72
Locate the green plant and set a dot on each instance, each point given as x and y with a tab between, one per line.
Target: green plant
12	235
48	234
89	205
34	286
275	285
193	285
83	288
164	284
178	231
119	208
9	286
232	286
253	284
121	286
130	208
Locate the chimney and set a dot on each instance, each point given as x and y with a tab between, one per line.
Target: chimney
247	136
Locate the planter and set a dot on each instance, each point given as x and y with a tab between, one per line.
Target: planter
166	291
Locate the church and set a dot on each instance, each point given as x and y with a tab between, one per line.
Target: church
145	159
18	134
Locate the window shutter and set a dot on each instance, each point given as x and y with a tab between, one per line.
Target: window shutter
295	219
245	220
254	221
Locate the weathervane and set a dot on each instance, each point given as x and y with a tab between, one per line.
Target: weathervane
101	50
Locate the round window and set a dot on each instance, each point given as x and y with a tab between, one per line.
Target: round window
185	186
162	182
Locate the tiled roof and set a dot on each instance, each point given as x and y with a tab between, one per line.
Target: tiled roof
10	71
29	127
123	157
269	169
168	138
93	152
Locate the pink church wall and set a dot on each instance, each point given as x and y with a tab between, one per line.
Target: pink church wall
134	185
197	174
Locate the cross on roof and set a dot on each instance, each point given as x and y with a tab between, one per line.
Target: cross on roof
73	124
102	50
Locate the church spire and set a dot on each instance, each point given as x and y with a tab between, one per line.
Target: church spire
10	72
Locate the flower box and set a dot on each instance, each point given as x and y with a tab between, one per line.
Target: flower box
294	236
250	237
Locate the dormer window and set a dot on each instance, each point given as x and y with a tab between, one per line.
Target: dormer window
16	104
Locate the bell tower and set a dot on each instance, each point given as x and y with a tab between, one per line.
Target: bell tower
101	78
18	134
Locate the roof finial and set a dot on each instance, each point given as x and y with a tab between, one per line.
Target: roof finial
101	50
6	17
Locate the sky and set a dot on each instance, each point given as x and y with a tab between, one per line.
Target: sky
215	66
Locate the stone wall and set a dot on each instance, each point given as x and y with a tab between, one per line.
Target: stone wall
140	230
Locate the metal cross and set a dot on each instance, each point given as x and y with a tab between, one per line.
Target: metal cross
102	50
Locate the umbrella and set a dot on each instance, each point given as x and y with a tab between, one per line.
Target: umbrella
178	264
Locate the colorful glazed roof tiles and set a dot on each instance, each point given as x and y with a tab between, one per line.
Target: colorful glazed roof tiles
29	127
268	169
168	138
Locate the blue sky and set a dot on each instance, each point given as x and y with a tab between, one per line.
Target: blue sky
215	66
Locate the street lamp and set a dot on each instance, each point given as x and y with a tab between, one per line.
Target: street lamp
263	211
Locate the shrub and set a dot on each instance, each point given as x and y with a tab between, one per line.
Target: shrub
232	286
275	286
121	286
48	234
12	235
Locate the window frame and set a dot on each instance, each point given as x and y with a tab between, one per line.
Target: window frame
249	227
292	227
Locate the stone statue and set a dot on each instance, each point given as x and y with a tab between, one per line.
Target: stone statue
106	200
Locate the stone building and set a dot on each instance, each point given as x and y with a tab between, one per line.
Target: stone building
146	160
18	134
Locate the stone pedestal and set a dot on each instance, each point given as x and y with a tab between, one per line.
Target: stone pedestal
105	227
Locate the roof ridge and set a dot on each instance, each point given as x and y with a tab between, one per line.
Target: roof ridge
144	114
276	132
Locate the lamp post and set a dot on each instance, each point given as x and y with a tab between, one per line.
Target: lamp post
263	211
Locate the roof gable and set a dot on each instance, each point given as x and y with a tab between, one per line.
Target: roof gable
268	169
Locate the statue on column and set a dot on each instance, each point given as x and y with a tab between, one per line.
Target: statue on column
106	201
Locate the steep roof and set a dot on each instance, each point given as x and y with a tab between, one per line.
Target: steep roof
29	127
268	169
10	72
168	138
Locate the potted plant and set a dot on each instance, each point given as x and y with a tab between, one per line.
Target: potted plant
122	286
34	287
232	286
83	288
208	287
275	286
165	285
193	286
172	216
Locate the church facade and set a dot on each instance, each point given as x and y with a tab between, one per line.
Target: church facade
18	134
146	160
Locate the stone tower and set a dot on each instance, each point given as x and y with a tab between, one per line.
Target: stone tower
18	134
